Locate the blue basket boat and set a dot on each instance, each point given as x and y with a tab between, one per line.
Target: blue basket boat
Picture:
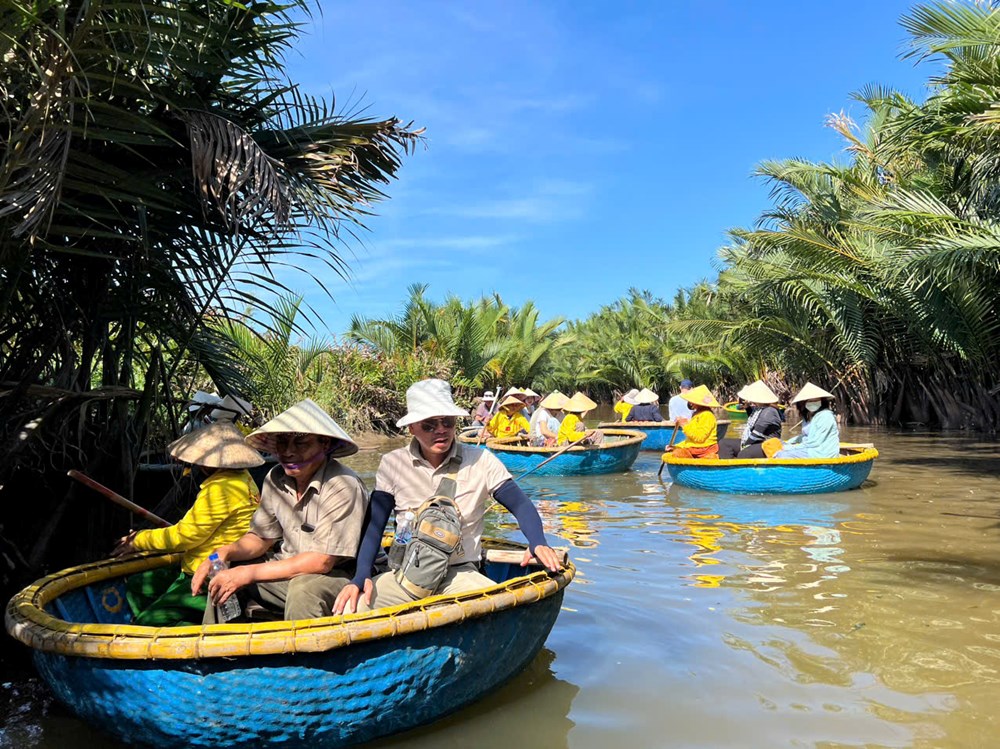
775	476
658	433
615	455
306	684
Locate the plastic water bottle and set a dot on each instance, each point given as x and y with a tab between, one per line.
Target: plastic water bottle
231	608
404	532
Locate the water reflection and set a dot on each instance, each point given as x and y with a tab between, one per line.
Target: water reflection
868	618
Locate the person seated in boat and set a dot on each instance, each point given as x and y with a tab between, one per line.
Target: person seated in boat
647	407
484	411
625	404
572	428
547	419
763	423
531	399
227	499
820	437
678	407
700	433
509	421
312	504
408	476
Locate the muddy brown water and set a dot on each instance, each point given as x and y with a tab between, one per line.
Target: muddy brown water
868	618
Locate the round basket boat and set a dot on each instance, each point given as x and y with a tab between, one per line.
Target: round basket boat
314	683
615	455
775	476
658	433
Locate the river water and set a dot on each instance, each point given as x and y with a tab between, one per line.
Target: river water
868	618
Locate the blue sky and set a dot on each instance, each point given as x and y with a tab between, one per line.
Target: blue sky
576	149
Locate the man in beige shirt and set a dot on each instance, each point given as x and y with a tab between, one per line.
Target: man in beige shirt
310	503
408	476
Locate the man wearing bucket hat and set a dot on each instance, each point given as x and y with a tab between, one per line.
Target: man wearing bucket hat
408	476
820	437
311	503
647	407
677	407
227	499
484	410
763	423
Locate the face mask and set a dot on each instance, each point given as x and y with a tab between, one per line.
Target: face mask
814	406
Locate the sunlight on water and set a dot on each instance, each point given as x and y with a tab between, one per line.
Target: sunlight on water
861	619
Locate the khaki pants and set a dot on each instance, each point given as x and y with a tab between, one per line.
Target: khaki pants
461	578
302	597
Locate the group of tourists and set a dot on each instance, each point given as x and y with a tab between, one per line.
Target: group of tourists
691	411
546	422
305	545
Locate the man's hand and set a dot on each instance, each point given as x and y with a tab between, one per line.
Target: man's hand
546	556
227	582
125	545
347	598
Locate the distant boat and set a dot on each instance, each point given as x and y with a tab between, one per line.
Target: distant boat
308	684
658	433
615	455
775	475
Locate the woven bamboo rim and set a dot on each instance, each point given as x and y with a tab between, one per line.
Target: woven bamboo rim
857	455
509	444
27	620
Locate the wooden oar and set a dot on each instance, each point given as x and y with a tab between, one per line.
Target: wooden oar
514	556
858	445
489	415
556	455
673	436
118	498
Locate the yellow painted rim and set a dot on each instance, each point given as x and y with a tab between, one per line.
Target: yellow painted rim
504	443
860	455
28	622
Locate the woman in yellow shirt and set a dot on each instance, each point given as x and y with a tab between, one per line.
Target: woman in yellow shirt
701	439
509	421
624	406
572	428
220	515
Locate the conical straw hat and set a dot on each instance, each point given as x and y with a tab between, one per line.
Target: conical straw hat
810	392
554	400
218	445
530	393
629	397
512	400
758	392
645	396
579	403
700	396
305	417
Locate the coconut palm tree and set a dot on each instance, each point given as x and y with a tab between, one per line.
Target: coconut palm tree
158	171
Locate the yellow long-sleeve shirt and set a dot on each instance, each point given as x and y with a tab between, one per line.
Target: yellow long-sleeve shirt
220	515
502	425
700	431
568	431
623	408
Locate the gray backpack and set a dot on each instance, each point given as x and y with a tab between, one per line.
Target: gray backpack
437	534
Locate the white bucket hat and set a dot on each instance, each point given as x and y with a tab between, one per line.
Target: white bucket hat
758	392
645	396
218	445
428	399
305	417
629	397
488	395
810	392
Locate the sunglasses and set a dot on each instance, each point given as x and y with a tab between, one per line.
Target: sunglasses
430	425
